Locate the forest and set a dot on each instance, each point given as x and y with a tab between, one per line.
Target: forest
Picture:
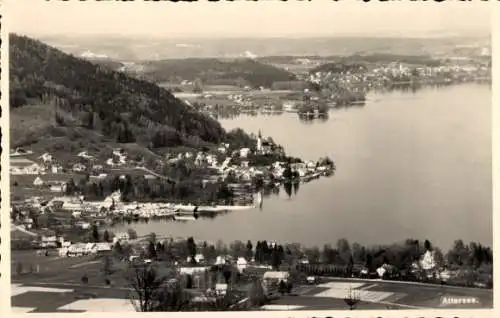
211	71
97	98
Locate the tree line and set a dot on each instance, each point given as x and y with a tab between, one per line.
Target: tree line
402	256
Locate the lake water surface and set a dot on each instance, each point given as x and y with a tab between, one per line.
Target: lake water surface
409	164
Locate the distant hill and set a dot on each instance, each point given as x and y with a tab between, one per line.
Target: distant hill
67	96
242	71
133	48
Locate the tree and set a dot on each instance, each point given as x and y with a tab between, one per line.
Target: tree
152	250
106	236
117	248
19	268
146	283
249	252
152	237
344	250
191	248
458	254
427	245
313	254
282	287
107	266
132	234
85	279
238	249
95	233
256	294
171	297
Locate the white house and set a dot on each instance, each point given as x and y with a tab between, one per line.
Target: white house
276	275
103	247
221	289
55	168
244	152
192	270
38	182
220	260
428	261
80	249
46	158
83	225
122	236
58	187
78	167
198	258
241	264
24	166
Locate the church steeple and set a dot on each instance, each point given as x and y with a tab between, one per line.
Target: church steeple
259	142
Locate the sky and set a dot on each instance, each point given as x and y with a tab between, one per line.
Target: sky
248	19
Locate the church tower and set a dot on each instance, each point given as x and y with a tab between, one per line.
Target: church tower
259	143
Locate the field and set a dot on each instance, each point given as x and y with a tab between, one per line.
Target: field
64	274
27	123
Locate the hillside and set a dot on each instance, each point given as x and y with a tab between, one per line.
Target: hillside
215	71
73	94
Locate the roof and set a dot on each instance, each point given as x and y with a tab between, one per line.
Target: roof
21	162
276	275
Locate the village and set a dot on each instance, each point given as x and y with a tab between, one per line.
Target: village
332	86
49	196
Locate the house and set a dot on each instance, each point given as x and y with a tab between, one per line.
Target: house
221	289
18	233
110	162
274	277
244	164
58	187
20	166
192	270
220	260
46	158
38	182
103	247
198	258
122	236
97	168
385	270
244	152
49	241
78	167
101	176
83	225
56	168
20	152
427	261
241	264
80	249
85	155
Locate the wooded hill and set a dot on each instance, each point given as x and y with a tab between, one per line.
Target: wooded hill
214	71
86	95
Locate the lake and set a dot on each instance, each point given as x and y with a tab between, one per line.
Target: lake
409	164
